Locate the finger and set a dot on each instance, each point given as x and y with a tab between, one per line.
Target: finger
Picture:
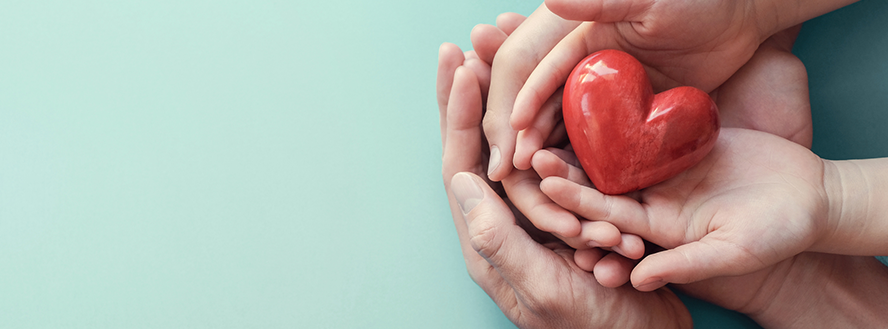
493	234
468	54
523	188
449	58
487	39
482	73
625	213
533	138
548	163
631	246
692	262
462	151
513	63
597	234
600	11
554	69
613	270
508	22
587	258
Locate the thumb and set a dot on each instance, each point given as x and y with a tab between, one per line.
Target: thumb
600	10
692	262
494	234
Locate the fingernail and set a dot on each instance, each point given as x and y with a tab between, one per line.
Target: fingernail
650	284
593	244
466	191
617	249
495	158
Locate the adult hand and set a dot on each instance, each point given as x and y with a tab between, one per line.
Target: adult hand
535	285
522	186
695	43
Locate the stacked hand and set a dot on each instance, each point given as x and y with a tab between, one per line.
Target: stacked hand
520	45
695	43
536	285
526	278
735	225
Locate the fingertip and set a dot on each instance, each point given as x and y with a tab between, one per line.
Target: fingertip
602	234
612	270
645	278
463	73
655	271
631	246
521	116
467	191
518	120
508	22
587	258
547	164
486	39
450	53
470	54
571	226
526	144
559	7
500	164
447	47
477	30
550	184
481	70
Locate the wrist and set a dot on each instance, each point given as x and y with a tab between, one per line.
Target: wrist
856	221
828	291
831	235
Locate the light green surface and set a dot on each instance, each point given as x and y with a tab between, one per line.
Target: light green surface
236	164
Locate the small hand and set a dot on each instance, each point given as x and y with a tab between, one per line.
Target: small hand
755	200
778	295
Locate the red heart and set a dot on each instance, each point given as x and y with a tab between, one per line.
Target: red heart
626	137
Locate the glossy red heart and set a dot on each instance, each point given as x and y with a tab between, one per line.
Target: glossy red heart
626	137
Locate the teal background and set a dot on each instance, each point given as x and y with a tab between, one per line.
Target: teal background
276	164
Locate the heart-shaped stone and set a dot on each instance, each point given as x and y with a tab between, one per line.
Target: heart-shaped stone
626	137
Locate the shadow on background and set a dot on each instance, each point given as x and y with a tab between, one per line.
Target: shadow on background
846	54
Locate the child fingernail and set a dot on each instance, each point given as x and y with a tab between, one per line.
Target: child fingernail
495	158
466	191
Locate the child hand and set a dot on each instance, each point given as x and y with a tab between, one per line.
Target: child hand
609	269
755	200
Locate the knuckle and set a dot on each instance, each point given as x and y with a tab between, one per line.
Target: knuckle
484	239
492	122
608	209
